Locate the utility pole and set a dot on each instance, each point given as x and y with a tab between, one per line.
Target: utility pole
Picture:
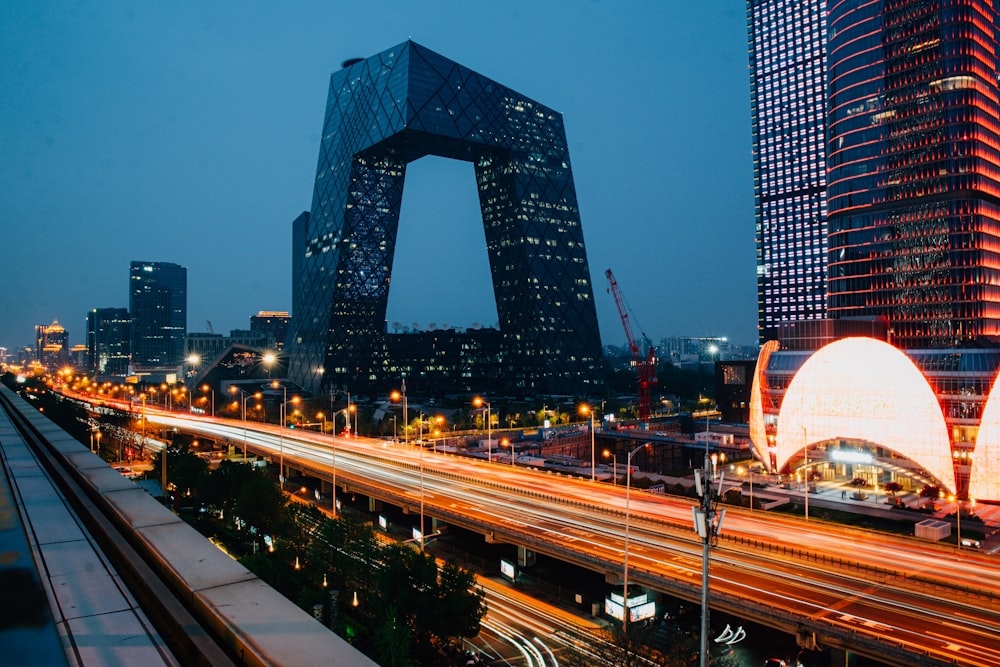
708	525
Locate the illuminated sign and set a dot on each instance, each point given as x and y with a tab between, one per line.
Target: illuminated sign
383	523
507	570
640	607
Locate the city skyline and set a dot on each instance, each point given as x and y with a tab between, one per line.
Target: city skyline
187	135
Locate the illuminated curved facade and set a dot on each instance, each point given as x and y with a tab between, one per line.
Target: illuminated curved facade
860	390
984	479
758	425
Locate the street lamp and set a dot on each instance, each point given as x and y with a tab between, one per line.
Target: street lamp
205	387
958	515
243	397
628	488
281	428
587	410
396	396
142	443
506	442
805	465
749	473
479	402
268	360
614	475
347	418
420	444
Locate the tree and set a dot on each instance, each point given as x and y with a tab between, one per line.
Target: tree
261	504
222	486
892	488
437	607
186	471
859	483
930	492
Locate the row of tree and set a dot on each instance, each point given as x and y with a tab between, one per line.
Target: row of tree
394	602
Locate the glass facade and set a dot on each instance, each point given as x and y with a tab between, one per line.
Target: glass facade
108	341
788	112
158	306
386	111
914	169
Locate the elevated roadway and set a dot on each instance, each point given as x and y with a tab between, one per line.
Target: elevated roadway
898	600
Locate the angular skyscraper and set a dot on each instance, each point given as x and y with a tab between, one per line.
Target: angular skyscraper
914	168
108	341
386	111
788	113
158	307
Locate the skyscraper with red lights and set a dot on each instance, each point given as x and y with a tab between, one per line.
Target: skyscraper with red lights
914	168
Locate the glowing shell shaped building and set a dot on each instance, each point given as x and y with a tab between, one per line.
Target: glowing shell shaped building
861	407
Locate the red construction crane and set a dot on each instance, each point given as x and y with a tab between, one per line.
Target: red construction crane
645	367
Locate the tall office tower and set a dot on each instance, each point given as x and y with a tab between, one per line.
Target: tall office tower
788	114
51	345
273	323
158	306
109	342
398	106
914	169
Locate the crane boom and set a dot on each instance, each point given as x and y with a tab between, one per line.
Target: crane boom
645	367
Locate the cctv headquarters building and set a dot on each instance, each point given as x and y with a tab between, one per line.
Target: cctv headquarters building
382	113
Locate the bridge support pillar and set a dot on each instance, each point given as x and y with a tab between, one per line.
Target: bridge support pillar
374	504
525	557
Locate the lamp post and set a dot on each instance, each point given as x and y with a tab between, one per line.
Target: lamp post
614	475
749	473
394	428
420	444
268	360
628	490
401	395
142	443
333	451
243	398
479	402
708	525
587	410
505	442
205	387
805	465
281	428
958	518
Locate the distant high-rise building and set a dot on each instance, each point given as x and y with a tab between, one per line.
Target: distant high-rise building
108	341
272	323
914	168
298	260
158	307
788	115
52	345
398	106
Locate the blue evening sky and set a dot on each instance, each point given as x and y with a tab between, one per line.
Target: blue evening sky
188	132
